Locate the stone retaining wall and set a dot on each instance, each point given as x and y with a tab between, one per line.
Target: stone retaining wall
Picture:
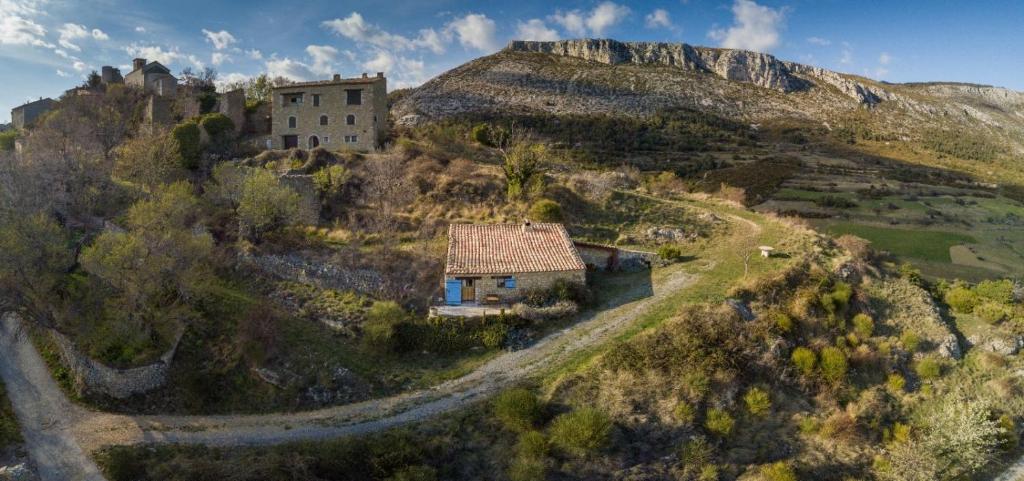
326	276
93	376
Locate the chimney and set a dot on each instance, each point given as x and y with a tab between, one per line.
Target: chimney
527	225
337	77
365	76
380	74
138	63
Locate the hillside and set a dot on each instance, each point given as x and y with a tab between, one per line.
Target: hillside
639	79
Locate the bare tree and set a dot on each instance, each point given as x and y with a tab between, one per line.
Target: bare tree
386	190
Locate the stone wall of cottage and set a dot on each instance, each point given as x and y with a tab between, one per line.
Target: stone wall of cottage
488	284
600	258
93	376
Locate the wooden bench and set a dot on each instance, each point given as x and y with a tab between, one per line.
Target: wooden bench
492	299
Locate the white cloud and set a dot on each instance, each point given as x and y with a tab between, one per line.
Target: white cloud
354	27
155	53
401	71
140	29
61	53
382	62
824	42
18	30
432	40
755	27
70	32
289	69
475	31
220	40
847	54
884	58
231	78
254	54
881	72
79	66
323	58
99	34
658	19
572	22
605	16
596	22
218	58
61	73
535	29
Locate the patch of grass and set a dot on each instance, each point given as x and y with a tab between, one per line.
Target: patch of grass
922	244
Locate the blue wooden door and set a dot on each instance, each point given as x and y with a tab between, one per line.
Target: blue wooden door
453	292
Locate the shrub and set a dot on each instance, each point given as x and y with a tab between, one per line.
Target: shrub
835	301
482	135
7	140
758	401
697	452
532	445
991	312
835	201
863	325
546	210
896	383
561	291
414	473
997	291
186	134
719	422
559	310
685	413
805	360
833	364
961	299
779	471
708	473
910	340
582	431
525	469
217	125
517	409
782	322
380	328
928	368
330	180
670	253
494	335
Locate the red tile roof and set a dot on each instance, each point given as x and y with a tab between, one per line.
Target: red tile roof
509	249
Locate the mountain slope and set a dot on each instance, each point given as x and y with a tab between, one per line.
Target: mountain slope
637	79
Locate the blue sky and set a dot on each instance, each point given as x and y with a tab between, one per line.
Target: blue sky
48	46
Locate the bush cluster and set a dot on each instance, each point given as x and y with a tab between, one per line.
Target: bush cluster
581	432
189	143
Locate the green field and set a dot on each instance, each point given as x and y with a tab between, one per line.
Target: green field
919	244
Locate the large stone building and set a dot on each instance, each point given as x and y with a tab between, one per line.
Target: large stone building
338	113
27	114
152	77
497	263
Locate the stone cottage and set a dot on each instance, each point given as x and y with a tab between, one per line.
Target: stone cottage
497	263
152	77
338	113
27	114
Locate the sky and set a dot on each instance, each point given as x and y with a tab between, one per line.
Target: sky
48	46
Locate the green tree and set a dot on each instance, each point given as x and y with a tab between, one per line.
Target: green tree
266	204
34	257
546	210
149	160
962	299
330	181
188	137
524	165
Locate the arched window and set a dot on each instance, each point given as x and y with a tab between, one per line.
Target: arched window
291	122
350	119
323	120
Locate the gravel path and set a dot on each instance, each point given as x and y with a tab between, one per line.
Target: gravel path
44	413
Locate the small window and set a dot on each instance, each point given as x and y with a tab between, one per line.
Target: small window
294	99
355	138
316	101
292	122
506	282
323	118
374	118
354	97
350	119
327	139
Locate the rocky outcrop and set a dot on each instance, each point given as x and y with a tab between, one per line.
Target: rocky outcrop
856	90
325	275
738	65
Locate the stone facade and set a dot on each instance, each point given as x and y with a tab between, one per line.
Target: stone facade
93	376
488	285
27	114
336	114
609	258
152	77
232	105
